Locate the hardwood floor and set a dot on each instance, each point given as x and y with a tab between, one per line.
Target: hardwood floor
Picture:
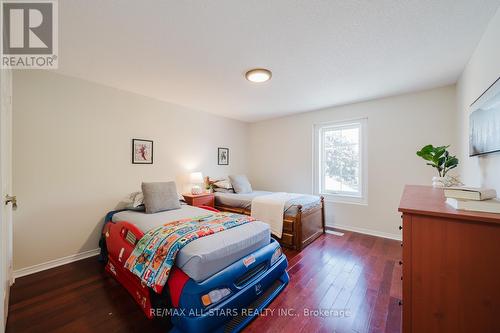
356	275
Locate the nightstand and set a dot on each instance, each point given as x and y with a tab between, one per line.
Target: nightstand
204	199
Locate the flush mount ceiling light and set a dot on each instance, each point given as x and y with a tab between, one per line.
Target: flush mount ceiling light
258	75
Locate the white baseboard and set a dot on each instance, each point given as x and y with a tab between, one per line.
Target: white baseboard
55	263
366	231
333	232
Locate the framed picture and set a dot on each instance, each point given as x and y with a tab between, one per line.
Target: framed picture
223	156
142	151
484	122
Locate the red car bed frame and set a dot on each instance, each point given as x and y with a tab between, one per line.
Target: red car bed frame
239	292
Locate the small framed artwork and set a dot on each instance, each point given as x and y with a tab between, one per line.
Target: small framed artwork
142	151
223	156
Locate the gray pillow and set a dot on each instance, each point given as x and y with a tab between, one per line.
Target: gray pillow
160	196
240	184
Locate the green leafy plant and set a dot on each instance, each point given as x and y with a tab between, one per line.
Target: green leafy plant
439	158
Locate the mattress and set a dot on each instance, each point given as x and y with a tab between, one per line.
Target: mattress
236	200
208	255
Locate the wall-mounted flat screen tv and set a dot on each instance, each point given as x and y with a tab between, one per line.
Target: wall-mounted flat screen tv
484	124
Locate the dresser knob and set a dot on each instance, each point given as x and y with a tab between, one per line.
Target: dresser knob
401	278
400	262
401	244
400	227
400	303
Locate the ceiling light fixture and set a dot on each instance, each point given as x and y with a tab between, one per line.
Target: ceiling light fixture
258	75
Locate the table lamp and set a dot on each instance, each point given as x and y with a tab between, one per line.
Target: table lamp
196	178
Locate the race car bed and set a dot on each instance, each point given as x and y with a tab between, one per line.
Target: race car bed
219	282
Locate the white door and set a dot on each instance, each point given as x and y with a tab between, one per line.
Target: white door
6	190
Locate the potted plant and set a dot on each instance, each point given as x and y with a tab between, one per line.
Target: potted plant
209	185
440	159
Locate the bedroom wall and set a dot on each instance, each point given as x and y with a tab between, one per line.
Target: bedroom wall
481	71
281	153
72	157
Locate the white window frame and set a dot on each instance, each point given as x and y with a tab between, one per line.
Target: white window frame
341	197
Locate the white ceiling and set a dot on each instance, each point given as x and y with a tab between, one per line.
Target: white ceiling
322	53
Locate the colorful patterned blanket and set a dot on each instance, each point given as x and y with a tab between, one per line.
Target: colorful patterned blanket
155	253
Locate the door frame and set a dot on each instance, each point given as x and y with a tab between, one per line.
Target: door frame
6	276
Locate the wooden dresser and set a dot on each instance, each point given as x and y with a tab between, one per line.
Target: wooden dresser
451	266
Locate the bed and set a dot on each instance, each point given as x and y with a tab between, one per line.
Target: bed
244	261
303	217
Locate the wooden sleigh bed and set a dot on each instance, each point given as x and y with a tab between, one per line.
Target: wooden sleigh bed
300	229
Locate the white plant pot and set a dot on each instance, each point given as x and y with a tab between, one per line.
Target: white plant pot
446	181
439	181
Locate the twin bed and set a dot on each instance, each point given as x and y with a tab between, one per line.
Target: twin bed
206	270
205	256
303	216
219	283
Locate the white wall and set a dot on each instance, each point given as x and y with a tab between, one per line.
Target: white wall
482	70
72	157
281	153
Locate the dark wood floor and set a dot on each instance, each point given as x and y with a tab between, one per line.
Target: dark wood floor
355	273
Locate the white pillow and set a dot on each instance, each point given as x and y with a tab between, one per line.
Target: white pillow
223	190
134	200
224	183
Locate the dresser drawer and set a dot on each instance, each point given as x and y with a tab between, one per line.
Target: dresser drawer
203	201
207	199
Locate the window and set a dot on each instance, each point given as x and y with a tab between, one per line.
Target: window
340	163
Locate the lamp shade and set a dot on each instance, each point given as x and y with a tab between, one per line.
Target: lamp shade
196	178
